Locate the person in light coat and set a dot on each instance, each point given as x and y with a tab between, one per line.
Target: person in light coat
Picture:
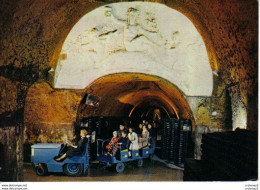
143	141
133	138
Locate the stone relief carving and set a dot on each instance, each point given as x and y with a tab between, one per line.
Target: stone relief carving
137	32
135	37
173	42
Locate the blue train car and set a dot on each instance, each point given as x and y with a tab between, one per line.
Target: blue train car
42	158
126	155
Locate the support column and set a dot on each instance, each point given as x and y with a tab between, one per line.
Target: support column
239	109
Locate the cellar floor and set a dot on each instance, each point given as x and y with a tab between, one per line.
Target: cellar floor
151	171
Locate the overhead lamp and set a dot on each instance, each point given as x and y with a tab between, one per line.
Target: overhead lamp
91	100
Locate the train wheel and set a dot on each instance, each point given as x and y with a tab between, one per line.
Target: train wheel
120	167
41	170
140	163
73	169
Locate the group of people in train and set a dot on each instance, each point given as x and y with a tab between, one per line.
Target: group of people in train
122	138
136	141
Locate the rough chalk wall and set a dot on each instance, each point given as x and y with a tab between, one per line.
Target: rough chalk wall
32	34
49	114
135	37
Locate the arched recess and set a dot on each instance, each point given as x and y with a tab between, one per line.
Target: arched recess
122	93
135	37
52	114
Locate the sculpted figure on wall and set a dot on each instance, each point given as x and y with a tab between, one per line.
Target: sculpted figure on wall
138	32
135	37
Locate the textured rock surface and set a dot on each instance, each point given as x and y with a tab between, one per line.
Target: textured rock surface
8	95
49	114
33	32
135	37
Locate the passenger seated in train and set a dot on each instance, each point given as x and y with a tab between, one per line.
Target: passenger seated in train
74	150
121	129
152	134
123	142
140	129
133	138
143	141
112	142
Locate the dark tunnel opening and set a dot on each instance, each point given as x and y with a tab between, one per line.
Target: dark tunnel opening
129	99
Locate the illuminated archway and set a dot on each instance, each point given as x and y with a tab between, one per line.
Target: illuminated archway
121	94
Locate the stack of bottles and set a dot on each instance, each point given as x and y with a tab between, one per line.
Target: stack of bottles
175	140
166	138
184	140
226	156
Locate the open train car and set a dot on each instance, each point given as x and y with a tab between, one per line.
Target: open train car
123	156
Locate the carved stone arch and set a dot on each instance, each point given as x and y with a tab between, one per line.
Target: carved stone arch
135	37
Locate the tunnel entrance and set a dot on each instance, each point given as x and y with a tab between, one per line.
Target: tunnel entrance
129	99
125	64
132	94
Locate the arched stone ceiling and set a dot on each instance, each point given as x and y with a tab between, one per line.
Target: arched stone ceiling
135	37
121	93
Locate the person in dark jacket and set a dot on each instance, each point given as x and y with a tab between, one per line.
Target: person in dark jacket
152	131
153	135
77	149
121	129
123	142
139	129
